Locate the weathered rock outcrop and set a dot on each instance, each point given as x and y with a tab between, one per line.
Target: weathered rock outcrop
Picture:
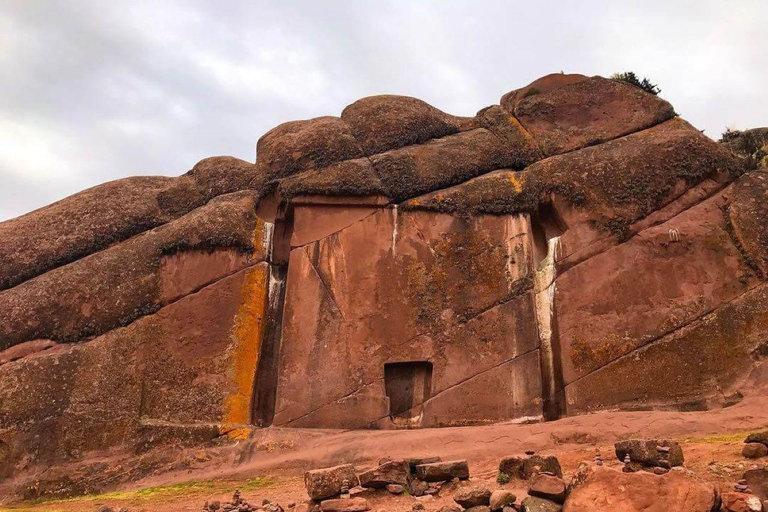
115	286
575	247
607	489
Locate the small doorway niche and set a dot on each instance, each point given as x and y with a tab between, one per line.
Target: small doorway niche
408	385
546	224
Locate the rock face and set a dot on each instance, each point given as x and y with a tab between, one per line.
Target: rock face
419	269
612	490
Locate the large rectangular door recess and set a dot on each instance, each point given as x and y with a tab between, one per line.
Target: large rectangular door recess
408	386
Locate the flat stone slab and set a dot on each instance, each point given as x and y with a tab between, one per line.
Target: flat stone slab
442	471
345	505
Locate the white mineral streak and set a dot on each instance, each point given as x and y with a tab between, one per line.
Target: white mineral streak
514	229
394	231
267	236
276	284
544	287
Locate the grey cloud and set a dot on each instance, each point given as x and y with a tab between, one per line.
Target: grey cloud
92	91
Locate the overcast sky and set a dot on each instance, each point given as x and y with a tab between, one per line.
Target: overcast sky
92	91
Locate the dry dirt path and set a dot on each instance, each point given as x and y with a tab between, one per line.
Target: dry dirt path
270	466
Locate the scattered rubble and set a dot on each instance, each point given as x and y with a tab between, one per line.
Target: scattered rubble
527	466
469	497
547	486
740	502
345	505
651	452
327	482
391	472
501	498
534	504
443	471
238	504
418	488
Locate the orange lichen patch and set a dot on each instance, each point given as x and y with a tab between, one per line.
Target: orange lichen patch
516	182
249	328
262	235
235	432
526	134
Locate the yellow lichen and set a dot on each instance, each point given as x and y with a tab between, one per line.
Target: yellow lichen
517	183
259	239
249	328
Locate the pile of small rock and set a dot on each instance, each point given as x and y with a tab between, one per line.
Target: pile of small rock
333	487
756	445
655	455
238	504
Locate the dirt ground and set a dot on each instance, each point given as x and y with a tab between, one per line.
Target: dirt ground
270	466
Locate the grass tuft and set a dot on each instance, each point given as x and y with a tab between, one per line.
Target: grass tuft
159	493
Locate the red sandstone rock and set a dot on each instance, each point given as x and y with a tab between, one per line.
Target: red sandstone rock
348	178
645	451
478	508
395	316
757	481
534	504
619	181
548	487
588	112
128	280
393	472
608	489
440	163
754	450
416	461
442	471
474	496
345	505
501	498
90	221
219	175
741	502
186	349
327	482
381	123
524	467
748	213
301	145
541	85
758	437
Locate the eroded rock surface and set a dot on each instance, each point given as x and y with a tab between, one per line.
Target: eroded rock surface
575	247
613	490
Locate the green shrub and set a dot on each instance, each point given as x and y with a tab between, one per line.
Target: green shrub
502	478
631	78
751	145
